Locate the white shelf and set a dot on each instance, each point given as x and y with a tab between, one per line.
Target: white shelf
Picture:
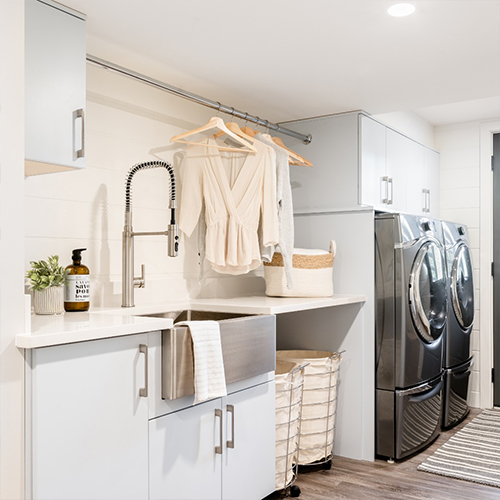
273	305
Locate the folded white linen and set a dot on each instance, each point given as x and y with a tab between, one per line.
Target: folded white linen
209	376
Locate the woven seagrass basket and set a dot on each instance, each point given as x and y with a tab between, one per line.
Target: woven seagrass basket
312	274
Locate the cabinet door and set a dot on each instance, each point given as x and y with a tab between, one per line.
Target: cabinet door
55	65
89	424
396	170
432	181
374	186
415	171
249	452
183	464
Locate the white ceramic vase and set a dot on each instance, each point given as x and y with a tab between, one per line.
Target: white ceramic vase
49	301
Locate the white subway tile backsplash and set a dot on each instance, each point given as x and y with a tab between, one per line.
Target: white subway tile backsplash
474	237
474	338
455	178
460	157
474	399
460	198
474	380
468	216
452	137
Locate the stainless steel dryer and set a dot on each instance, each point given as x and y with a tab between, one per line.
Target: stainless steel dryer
411	294
457	360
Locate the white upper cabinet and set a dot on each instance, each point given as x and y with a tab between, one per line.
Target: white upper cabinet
374	181
55	66
360	161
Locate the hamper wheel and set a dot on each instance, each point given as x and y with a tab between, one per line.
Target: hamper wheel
294	491
327	465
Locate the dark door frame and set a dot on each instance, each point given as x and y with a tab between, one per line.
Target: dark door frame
495	165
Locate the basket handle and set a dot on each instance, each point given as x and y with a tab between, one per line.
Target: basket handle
333	247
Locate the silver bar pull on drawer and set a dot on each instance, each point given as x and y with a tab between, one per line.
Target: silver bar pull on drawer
218	414
230	410
143	392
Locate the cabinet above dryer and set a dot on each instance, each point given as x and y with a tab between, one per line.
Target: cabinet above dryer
359	161
55	87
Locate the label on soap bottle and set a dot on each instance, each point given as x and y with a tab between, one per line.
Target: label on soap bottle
77	288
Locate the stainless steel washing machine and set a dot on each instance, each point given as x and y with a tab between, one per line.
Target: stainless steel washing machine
411	294
457	360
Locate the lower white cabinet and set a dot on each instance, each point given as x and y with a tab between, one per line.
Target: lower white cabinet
221	449
87	425
97	429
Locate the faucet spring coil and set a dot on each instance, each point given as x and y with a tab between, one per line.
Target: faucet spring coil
144	166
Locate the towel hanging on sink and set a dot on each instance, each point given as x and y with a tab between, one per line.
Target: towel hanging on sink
209	376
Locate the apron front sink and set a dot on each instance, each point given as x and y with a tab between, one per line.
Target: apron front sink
248	348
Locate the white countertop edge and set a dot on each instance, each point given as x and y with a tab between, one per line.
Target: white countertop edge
100	323
94	331
273	305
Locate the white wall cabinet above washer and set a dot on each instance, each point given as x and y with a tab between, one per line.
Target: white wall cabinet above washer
360	161
55	72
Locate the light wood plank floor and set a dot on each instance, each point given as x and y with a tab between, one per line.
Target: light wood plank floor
358	480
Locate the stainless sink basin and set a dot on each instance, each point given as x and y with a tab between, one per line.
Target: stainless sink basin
248	349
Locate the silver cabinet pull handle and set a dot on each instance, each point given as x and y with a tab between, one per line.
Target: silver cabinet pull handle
424	200
386	180
218	449
428	200
390	198
230	443
143	392
80	113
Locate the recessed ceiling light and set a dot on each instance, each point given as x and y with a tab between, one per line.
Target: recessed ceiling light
401	9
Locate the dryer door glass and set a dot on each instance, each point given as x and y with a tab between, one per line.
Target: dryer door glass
462	287
427	292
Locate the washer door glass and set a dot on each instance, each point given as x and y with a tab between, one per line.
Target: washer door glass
462	287
427	292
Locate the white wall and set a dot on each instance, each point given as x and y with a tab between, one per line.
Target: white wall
459	145
410	125
11	246
127	122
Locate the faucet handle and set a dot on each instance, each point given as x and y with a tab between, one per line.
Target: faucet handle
173	240
141	281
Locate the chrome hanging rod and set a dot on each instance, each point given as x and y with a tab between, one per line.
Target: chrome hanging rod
306	139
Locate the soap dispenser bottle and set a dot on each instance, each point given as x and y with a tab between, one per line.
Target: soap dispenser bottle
77	289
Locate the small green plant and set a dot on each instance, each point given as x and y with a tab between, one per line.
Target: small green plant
46	273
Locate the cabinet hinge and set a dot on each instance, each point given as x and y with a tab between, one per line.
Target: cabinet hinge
493	269
492	375
492	162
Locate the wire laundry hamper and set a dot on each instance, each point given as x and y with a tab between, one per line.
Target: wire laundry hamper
319	404
289	380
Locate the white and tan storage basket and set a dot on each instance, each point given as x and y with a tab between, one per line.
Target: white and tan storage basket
312	273
289	380
319	403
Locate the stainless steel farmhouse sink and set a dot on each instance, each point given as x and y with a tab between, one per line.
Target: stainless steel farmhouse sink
248	348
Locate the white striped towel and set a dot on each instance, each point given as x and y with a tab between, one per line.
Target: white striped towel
209	377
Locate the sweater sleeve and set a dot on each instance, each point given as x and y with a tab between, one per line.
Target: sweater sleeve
269	208
192	192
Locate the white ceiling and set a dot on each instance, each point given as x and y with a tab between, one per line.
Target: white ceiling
288	59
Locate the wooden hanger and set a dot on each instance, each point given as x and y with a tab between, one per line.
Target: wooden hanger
296	159
235	128
249	131
217	124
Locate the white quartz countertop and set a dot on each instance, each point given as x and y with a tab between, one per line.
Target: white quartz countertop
101	323
82	326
